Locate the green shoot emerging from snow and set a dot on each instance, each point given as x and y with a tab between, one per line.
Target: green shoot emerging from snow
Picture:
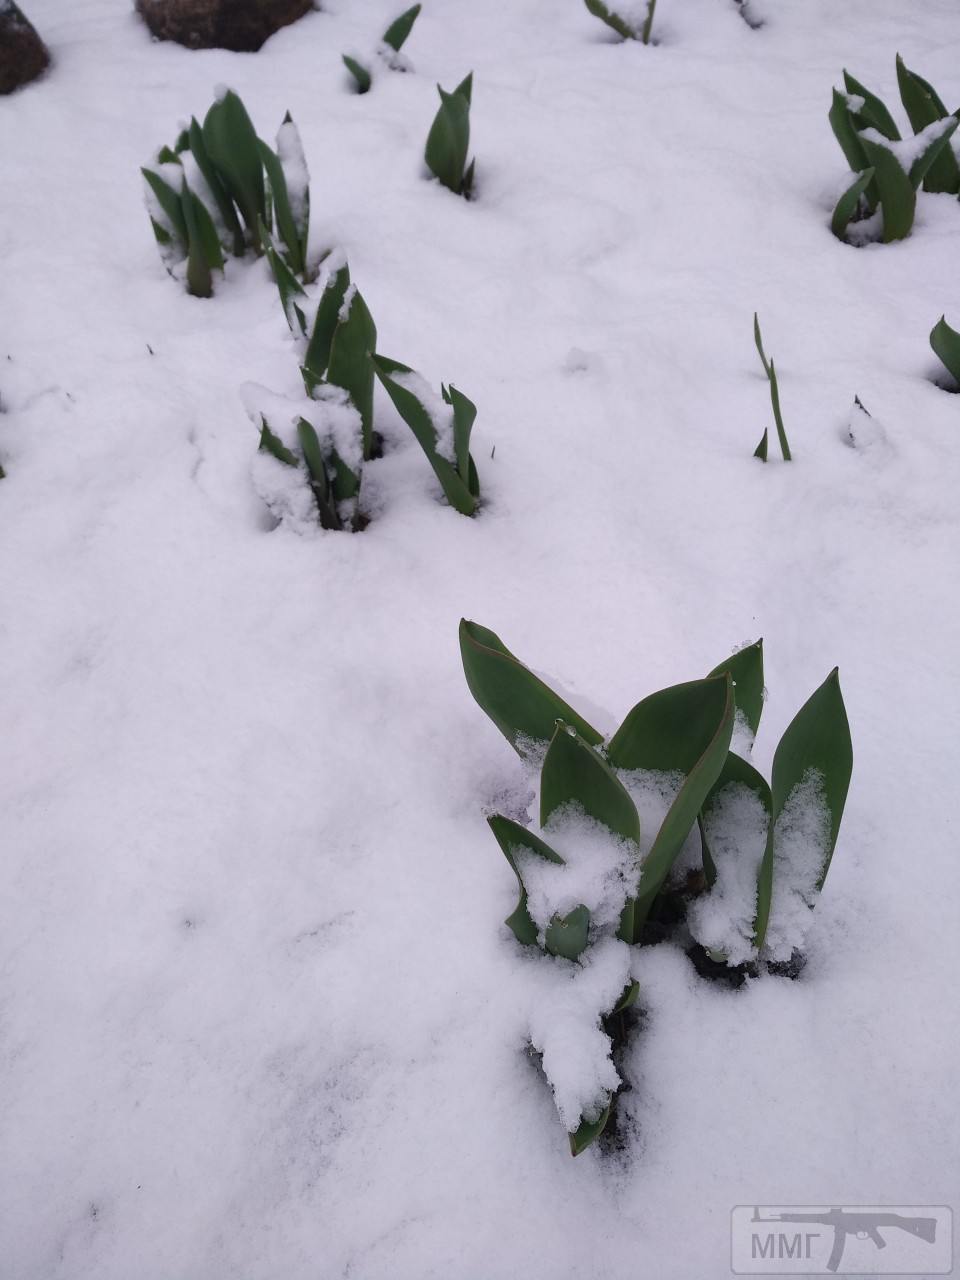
771	372
221	188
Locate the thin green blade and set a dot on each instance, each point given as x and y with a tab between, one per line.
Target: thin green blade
511	836
449	140
354	341
849	202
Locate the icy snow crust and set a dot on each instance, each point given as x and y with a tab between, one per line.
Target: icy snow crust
259	1015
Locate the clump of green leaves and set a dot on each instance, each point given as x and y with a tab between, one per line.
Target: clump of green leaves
889	171
332	471
686	733
946	343
770	370
442	428
630	28
221	190
390	45
338	342
449	140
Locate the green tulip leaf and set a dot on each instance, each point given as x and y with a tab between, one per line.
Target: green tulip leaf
849	203
325	323
282	212
567	936
511	837
464	416
523	708
272	444
687	729
228	211
359	72
758	343
575	774
400	28
627	999
354	341
231	144
588	1131
898	199
873	114
746	670
931	156
449	137
923	106
288	286
763	447
846	133
204	253
817	740
170	202
612	19
456	488
946	343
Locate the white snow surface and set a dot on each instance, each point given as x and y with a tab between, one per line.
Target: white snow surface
801	839
259	1016
736	829
600	871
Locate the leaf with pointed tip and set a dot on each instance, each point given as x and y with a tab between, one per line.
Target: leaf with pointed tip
816	740
464	416
204	253
946	343
511	836
288	286
873	114
898	199
354	342
272	444
325	323
849	203
845	132
763	447
522	707
228	210
231	144
612	19
686	729
589	1130
456	489
400	28
359	72
169	200
319	479
449	137
923	106
735	770
574	774
931	156
282	212
746	670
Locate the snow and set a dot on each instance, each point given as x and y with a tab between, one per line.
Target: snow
722	920
600	870
293	162
259	1014
438	411
801	840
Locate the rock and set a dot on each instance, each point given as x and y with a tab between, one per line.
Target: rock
23	55
241	25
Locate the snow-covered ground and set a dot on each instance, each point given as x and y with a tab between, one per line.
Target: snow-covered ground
260	1017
